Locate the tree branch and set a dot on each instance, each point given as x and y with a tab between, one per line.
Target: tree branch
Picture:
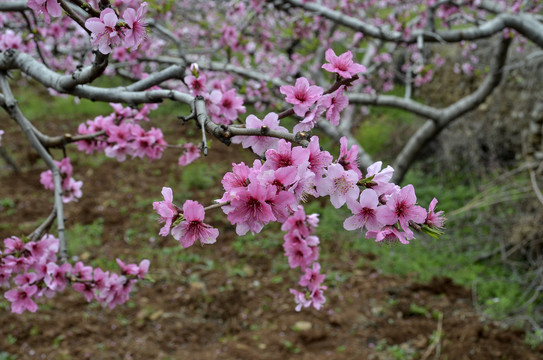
44	226
14	6
10	105
444	117
526	24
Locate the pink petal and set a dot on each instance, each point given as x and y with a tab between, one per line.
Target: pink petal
95	25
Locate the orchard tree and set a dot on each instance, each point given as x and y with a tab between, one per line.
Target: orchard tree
320	63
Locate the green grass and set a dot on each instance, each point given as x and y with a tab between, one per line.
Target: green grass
384	125
84	238
63	108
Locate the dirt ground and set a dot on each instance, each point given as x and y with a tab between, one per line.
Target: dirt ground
194	311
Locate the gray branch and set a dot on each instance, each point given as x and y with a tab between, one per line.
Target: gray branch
44	226
451	113
14	6
526	24
229	68
13	59
10	105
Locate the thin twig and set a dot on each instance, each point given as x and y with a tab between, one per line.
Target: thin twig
9	160
71	13
44	226
537	191
34	38
436	343
216	206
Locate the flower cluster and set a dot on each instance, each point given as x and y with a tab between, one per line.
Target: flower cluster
310	101
46	7
119	135
32	267
222	103
191	153
108	31
272	191
71	189
301	248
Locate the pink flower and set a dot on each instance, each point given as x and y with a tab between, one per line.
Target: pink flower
298	251
317	297
339	184
25	279
65	166
229	37
87	289
304	184
10	40
104	31
46	179
47	7
21	299
1	133
118	151
335	103
100	279
55	278
236	180
401	207
120	135
192	152
300	299
434	219
193	228
310	118
318	160
72	190
364	212
342	65
167	211
390	235
81	271
250	210
196	84
143	268
260	144
349	158
380	181
121	112
285	156
281	204
301	95
135	34
301	222
230	106
281	178
312	277
132	269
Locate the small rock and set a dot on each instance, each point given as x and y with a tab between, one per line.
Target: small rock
302	326
248	270
156	315
197	285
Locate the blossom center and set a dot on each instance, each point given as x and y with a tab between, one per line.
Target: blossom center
342	185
